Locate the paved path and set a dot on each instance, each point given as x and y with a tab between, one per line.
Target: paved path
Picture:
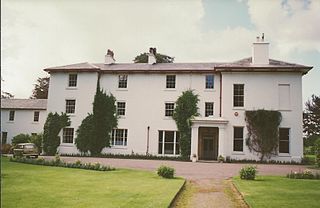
207	180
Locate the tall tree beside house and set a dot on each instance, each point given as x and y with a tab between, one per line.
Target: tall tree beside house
99	124
186	108
160	58
263	132
41	88
52	127
311	117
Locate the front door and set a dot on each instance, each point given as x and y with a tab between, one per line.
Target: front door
208	150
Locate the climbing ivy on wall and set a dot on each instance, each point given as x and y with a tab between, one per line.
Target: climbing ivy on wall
263	132
186	108
52	127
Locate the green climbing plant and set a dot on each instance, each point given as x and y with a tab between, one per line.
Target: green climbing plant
186	108
263	132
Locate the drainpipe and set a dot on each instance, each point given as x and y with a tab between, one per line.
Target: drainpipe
220	113
148	131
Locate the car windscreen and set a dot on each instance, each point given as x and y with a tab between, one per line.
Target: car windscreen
28	146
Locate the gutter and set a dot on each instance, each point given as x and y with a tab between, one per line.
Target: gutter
220	96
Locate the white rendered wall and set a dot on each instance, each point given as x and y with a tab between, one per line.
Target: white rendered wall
23	122
83	94
261	92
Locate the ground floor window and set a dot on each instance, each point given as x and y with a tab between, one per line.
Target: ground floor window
67	136
119	137
238	139
169	143
284	140
4	137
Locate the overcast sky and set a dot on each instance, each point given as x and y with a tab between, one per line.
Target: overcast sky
38	34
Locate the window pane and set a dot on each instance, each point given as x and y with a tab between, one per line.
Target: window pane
121	108
36	116
67	135
123	81
238	132
208	109
169	109
73	80
11	115
70	106
209	81
238	139
171	81
119	137
160	142
238	95
238	145
284	140
169	136
4	137
168	148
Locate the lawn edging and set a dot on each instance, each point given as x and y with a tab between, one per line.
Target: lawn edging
177	194
236	188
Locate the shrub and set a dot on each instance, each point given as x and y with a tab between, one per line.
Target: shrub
165	171
20	138
221	158
306	174
248	172
317	151
37	140
5	148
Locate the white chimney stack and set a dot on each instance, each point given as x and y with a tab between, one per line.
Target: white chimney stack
109	57
260	51
152	56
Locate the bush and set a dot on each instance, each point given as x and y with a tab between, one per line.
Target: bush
317	151
5	148
21	138
37	140
165	171
248	172
306	174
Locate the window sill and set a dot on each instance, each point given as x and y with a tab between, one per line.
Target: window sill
67	145
237	153
170	89
284	155
238	108
10	121
122	89
209	90
168	118
71	114
118	147
35	122
121	117
71	88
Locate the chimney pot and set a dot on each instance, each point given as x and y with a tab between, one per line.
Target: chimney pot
109	57
152	56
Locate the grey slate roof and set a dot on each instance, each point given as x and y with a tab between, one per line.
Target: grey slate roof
31	104
242	64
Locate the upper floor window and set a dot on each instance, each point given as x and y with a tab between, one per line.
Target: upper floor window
73	80
209	81
36	116
123	79
238	95
208	109
70	106
119	137
121	108
171	81
67	136
238	139
284	96
169	109
284	140
11	115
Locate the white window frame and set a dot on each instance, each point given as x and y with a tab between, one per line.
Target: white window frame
289	132
167	110
206	86
64	135
205	109
124	138
34	116
68	107
73	81
169	83
238	139
122	109
163	142
12	117
233	95
122	81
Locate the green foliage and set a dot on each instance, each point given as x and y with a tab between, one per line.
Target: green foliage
311	117
248	172
59	163
165	171
160	58
186	109
95	130
85	134
317	151
37	140
263	132
20	138
41	88
52	127
306	174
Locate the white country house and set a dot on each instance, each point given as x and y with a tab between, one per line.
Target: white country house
146	95
22	116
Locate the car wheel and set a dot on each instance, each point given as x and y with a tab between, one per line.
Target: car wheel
36	156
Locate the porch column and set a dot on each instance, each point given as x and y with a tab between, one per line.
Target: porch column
194	142
221	141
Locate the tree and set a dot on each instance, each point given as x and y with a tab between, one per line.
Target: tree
263	132
311	118
41	88
37	140
6	95
186	108
85	134
95	130
160	58
52	127
20	138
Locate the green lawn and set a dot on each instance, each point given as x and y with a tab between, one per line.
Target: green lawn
25	185
277	191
